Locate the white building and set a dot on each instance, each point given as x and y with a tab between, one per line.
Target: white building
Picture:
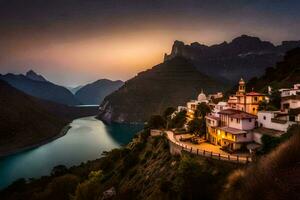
290	102
290	91
275	120
192	105
219	107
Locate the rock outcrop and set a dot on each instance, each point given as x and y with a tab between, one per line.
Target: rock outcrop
244	56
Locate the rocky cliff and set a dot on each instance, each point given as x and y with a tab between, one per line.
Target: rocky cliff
244	56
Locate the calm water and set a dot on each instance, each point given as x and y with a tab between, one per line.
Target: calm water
86	140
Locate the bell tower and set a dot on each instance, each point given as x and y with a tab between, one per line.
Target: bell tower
242	87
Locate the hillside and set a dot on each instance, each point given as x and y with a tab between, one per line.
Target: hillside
37	86
144	169
244	56
94	93
26	120
283	75
171	83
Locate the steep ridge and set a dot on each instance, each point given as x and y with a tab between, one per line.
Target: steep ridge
170	83
244	56
23	120
34	85
26	120
34	76
94	93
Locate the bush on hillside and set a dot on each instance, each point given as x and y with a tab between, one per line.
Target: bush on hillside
156	122
89	189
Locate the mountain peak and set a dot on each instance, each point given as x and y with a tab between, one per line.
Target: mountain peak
34	76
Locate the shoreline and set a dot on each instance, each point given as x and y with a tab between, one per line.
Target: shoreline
62	133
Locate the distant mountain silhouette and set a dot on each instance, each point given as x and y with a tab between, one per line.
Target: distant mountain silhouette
37	86
34	76
26	120
244	56
94	93
171	83
74	89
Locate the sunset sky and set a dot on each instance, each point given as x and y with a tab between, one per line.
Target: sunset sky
79	41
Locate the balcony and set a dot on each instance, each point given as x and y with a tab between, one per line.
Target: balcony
278	121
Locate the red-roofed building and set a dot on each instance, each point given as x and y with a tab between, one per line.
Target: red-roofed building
243	101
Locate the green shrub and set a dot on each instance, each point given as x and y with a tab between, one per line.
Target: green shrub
59	188
89	189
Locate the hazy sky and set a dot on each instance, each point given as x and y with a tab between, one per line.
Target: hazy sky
72	42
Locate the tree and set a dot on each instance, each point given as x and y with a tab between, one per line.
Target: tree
167	115
263	105
202	110
156	122
194	126
168	112
89	189
179	120
275	99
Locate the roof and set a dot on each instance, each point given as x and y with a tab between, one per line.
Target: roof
293	97
237	114
213	117
267	131
233	131
243	116
254	94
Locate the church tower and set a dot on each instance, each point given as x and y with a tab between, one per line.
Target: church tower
242	87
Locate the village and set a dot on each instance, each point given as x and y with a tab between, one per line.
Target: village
235	127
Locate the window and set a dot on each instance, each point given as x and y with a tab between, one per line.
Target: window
264	117
245	134
255	98
250	120
231	119
232	136
226	134
238	121
253	109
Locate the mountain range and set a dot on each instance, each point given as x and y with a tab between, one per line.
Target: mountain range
187	70
36	85
94	93
170	83
244	56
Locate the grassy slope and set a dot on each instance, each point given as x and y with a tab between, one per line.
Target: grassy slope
26	121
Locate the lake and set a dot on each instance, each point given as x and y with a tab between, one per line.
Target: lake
86	140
